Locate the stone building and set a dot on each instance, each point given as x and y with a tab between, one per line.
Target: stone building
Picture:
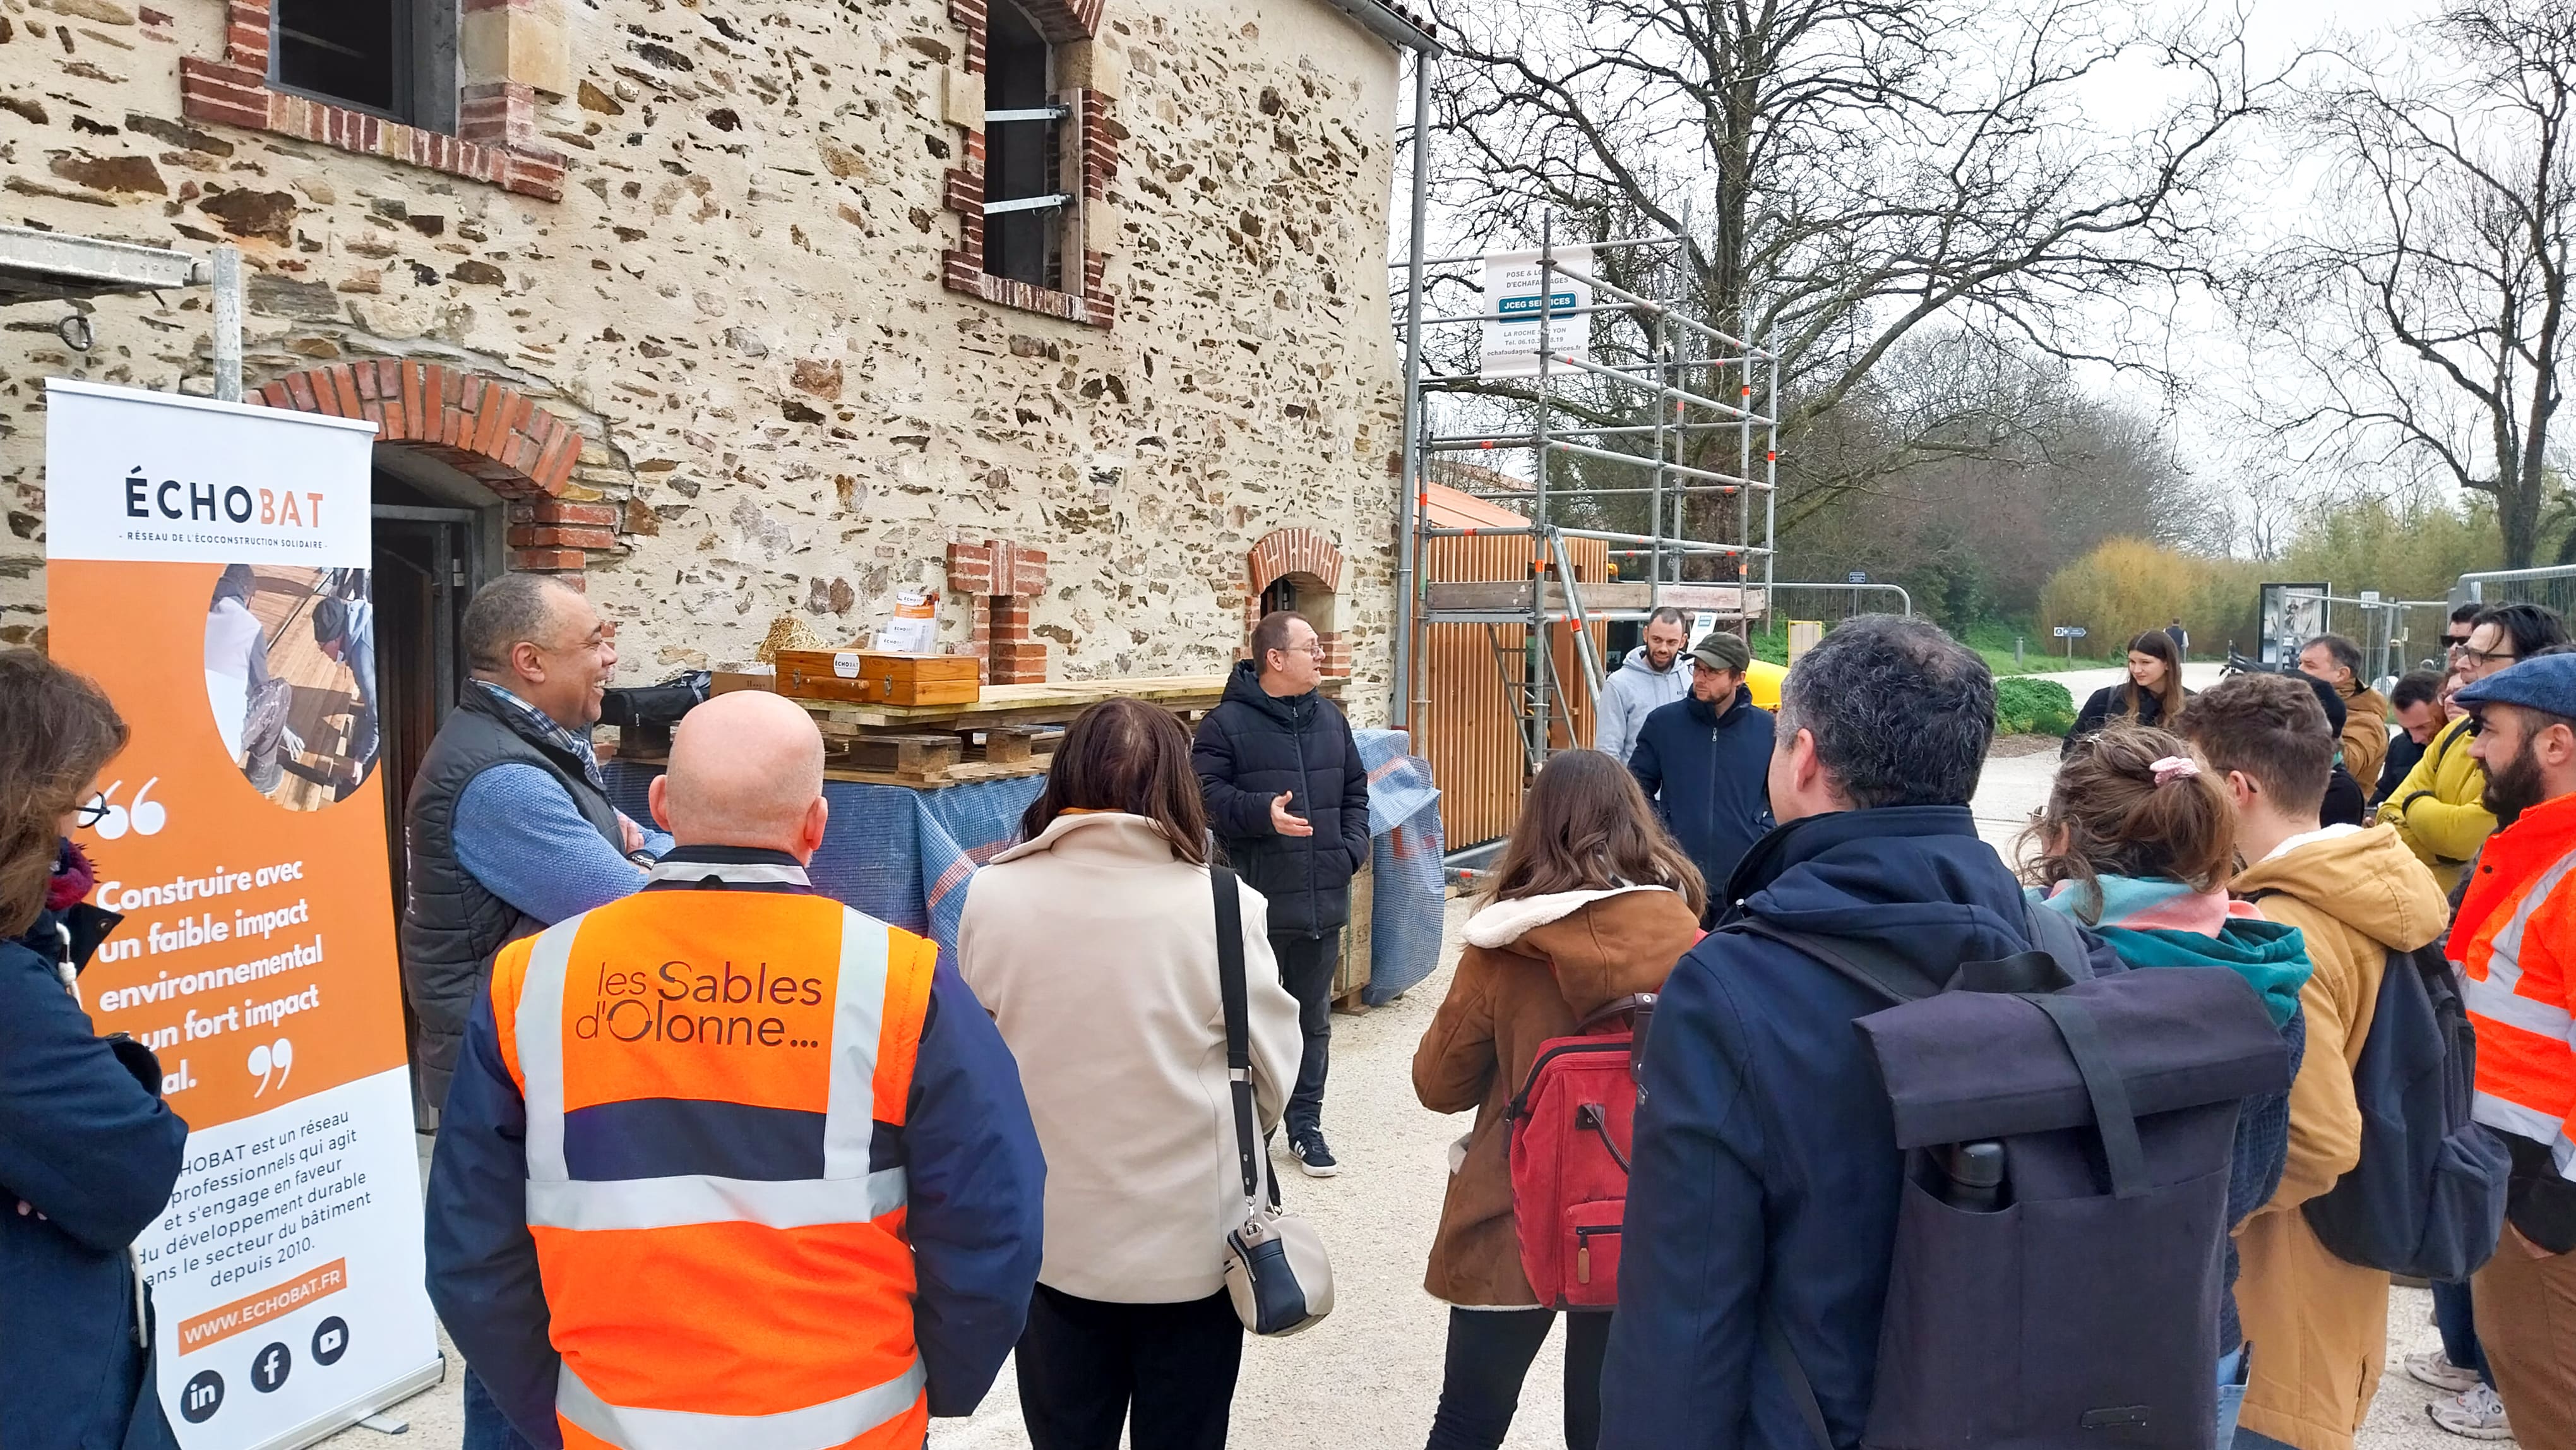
723	307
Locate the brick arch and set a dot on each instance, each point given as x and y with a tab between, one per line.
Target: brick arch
1296	551
479	426
1309	552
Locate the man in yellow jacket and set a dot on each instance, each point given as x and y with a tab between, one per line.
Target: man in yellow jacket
2440	811
2318	1325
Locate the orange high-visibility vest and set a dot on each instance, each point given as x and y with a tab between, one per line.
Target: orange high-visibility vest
2516	942
704	1073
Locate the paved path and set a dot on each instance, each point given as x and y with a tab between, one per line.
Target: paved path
1368	1376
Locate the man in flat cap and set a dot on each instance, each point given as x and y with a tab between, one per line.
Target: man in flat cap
1704	761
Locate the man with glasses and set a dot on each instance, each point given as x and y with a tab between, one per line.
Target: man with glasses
1287	796
2455	633
2440	809
509	830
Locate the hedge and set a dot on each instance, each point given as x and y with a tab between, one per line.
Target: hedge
2025	705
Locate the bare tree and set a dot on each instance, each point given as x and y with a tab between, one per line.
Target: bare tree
1852	172
2426	308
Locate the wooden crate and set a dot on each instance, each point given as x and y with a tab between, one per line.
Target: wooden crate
1352	972
865	677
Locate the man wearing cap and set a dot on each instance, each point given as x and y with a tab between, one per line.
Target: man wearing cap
2515	941
1704	761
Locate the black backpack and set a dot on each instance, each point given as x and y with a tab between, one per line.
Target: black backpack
2427	1198
2072	1298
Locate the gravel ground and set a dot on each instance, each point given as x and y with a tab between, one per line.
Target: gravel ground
1369	1375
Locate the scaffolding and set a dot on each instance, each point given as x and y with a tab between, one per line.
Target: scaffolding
1698	383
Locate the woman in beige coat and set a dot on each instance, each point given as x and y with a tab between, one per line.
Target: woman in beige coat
1591	902
1093	944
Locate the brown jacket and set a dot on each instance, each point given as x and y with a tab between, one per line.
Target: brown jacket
2365	735
2318	1325
1533	969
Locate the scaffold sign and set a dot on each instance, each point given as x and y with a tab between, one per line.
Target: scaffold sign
1512	284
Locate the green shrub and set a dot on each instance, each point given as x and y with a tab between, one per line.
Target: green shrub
2025	705
2127	586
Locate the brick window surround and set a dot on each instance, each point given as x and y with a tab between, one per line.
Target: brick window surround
1063	22
496	131
1004	579
1306	554
487	430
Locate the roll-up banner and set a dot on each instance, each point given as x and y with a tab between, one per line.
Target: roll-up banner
206	564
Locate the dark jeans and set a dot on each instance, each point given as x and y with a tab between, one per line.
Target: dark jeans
2454	1314
1086	1367
1306	969
486	1428
1489	1355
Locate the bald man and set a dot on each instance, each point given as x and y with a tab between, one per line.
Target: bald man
657	1215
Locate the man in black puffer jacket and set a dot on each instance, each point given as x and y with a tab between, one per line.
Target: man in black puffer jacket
1288	799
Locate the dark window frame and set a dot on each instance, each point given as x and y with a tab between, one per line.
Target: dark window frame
1028	208
422	41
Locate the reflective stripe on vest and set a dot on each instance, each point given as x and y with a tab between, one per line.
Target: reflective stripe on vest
705	1013
2526	1074
815	1427
557	1200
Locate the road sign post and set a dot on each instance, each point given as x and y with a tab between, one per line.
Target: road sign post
2069	633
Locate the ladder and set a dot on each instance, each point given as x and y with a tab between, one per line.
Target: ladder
1532	687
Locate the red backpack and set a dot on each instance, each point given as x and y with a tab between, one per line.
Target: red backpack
1571	1125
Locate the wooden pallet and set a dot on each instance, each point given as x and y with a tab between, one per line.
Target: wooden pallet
1009	731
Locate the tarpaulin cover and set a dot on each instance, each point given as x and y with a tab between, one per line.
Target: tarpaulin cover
906	856
902	856
1404	819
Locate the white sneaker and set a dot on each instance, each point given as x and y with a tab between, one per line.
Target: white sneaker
2474	1412
2436	1369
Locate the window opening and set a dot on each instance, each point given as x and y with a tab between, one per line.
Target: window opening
1282	594
1024	205
353	52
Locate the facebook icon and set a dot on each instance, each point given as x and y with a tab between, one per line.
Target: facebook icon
269	1367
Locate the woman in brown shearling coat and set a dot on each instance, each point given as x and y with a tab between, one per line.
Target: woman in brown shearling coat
1592	902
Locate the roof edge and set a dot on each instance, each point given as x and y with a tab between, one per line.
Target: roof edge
1394	24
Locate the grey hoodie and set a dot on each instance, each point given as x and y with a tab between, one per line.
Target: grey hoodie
1633	691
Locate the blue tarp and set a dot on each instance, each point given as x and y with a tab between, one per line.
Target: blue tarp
902	856
1404	820
906	857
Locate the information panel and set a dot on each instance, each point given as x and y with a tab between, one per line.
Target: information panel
1512	328
207	566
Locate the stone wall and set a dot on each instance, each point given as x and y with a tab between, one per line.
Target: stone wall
737	297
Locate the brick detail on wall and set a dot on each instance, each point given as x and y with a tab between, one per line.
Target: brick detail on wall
962	270
487	430
1004	579
496	131
1282	552
1295	551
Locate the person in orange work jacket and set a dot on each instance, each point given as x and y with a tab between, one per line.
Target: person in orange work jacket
727	1164
2515	939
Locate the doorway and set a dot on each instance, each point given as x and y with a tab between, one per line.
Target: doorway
426	570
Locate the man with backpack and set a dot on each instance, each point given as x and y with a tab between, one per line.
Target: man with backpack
2515	940
1762	1212
2316	1323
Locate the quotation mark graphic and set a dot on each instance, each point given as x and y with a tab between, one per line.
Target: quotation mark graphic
145	817
270	1062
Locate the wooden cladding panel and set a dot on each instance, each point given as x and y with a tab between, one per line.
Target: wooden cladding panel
1464	724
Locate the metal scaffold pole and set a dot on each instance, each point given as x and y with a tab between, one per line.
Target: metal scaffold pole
1558	419
1408	546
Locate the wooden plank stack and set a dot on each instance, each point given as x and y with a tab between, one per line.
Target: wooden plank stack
904	719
